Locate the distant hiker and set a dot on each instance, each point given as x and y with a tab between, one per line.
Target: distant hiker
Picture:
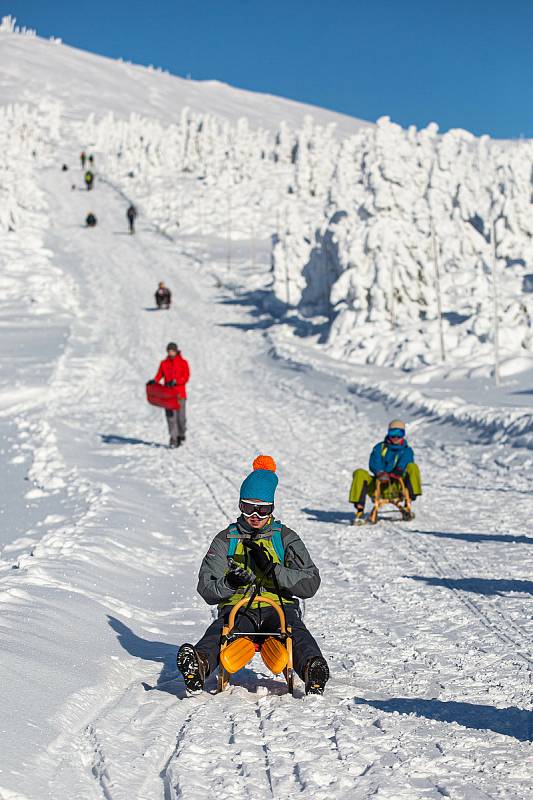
90	220
83	159
175	370
256	549
91	160
64	168
163	296
131	214
89	179
392	458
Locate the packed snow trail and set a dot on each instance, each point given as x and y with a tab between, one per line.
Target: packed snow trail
425	624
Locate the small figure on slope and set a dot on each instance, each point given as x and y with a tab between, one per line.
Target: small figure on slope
163	296
389	460
90	220
175	370
89	179
266	552
131	214
83	159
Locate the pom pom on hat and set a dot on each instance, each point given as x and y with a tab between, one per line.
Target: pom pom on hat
264	462
262	482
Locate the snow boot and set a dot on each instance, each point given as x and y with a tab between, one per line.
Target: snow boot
193	666
316	675
359	515
174	443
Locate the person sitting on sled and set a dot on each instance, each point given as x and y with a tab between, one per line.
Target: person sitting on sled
163	296
389	459
269	552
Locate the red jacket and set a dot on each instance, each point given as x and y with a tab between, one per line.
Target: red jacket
174	369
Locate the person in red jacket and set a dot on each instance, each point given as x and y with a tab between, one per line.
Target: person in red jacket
175	370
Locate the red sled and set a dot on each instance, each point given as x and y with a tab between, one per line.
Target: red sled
163	396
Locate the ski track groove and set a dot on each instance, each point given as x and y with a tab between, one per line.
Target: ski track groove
99	766
265	748
482	614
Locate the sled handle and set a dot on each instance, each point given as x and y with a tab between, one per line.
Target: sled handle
259	599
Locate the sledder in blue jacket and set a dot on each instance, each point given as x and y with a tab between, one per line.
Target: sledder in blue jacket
391	458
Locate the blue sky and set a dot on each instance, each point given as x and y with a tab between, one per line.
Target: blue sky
461	64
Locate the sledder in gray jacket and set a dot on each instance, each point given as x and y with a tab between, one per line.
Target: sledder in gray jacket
297	576
242	554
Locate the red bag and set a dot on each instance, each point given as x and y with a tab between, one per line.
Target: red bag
163	396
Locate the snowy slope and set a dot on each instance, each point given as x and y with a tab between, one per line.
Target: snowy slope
427	626
33	68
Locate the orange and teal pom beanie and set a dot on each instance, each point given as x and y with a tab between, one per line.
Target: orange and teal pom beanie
262	482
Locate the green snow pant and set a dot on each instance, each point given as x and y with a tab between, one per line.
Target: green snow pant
364	483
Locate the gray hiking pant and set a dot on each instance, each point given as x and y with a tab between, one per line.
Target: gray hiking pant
262	619
176	421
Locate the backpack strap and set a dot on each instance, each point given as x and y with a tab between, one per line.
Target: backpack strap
233	536
277	541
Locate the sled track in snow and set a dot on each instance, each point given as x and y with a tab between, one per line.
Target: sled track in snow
98	765
197	767
494	621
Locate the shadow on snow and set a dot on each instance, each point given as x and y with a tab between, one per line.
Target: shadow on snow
510	721
485	586
336	517
170	679
478	537
268	312
110	438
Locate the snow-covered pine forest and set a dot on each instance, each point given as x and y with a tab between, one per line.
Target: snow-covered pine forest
356	225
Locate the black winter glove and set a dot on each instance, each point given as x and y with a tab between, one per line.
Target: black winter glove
150	383
238	577
171	383
261	558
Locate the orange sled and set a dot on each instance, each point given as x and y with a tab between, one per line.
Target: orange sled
237	649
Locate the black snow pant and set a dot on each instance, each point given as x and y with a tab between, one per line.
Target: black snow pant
131	221
266	619
176	421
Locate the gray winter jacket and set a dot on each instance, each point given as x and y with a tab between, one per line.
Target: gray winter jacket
297	576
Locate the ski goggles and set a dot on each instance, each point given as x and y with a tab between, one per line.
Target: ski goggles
396	433
261	510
